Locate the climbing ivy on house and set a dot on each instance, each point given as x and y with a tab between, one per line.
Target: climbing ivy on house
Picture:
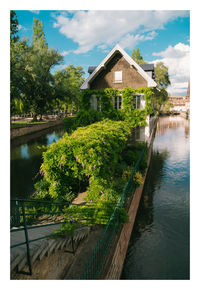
136	117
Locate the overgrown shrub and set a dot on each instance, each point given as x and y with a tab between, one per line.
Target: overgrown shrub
74	161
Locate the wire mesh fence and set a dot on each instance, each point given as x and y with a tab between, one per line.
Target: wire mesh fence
97	260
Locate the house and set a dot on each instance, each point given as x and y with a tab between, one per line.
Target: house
118	70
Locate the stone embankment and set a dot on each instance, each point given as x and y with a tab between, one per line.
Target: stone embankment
18	132
116	265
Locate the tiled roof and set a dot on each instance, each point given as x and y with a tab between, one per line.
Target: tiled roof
147	66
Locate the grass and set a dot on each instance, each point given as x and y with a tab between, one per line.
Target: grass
23	124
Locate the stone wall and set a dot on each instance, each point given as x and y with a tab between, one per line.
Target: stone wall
28	130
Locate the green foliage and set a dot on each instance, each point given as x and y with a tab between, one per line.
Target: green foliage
67	229
38	37
87	117
23	124
90	152
160	99
128	113
31	79
13	26
98	156
70	124
137	178
67	88
137	57
102	190
161	75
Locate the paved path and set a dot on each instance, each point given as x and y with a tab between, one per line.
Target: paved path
18	255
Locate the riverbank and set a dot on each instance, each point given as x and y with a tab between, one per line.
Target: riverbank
159	247
117	262
18	132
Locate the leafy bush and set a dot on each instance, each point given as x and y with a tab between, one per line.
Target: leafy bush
137	178
74	161
70	124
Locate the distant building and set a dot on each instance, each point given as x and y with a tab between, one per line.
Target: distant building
180	103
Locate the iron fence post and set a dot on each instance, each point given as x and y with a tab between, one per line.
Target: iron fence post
17	213
27	240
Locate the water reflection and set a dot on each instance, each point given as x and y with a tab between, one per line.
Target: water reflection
24	151
159	245
26	158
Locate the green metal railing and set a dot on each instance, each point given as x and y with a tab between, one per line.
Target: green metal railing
95	264
22	219
27	214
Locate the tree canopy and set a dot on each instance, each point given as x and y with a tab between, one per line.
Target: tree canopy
67	87
162	75
136	56
34	87
31	78
13	26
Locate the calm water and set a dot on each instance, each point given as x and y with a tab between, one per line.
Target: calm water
26	158
159	244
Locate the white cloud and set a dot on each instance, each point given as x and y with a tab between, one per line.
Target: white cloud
177	59
104	28
66	52
20	27
35	11
130	40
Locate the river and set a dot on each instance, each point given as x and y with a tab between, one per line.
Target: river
159	244
26	158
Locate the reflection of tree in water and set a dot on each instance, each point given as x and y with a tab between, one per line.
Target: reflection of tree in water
144	219
24	171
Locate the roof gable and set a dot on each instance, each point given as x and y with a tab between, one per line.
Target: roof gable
117	48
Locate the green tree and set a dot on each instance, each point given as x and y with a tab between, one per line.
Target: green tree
31	78
162	75
13	26
136	56
19	57
38	37
67	87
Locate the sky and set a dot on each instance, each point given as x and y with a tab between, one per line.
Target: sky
85	37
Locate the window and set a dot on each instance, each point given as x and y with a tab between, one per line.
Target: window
120	103
98	104
137	102
117	102
118	77
93	102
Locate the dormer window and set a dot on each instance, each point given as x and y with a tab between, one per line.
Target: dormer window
118	76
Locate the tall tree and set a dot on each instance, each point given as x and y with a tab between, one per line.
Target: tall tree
162	75
67	86
40	81
136	56
38	37
13	26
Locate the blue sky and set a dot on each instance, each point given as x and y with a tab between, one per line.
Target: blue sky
84	37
